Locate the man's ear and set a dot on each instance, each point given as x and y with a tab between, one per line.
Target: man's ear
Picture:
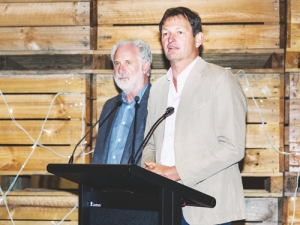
146	67
199	39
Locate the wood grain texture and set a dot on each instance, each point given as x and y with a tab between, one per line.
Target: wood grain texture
45	14
215	36
216	11
55	132
65	106
45	38
260	160
28	82
12	158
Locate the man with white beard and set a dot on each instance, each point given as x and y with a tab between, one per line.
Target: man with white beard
120	127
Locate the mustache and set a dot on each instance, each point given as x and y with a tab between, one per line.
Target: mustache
121	75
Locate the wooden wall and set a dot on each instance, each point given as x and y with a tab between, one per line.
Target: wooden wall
56	53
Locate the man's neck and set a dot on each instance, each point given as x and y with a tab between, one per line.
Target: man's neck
178	67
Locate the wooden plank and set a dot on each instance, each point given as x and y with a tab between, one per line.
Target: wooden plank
45	38
294	112
261	209
45	201
35	106
38	213
256	136
295	36
263	85
12	158
260	160
45	14
55	132
217	11
294	11
50	83
295	85
27	1
291	59
215	37
271	110
289	209
290	184
42	222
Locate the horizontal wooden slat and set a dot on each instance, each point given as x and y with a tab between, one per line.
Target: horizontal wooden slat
38	213
50	83
262	210
37	106
271	111
55	132
260	160
45	14
42	222
295	36
262	85
290	184
294	11
45	201
216	11
12	158
215	37
45	38
257	138
26	1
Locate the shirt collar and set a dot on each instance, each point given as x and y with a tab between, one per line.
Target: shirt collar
186	71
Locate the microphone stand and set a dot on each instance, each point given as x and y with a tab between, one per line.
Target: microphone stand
137	105
138	154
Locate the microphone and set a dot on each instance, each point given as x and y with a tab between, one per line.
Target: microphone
137	105
116	103
138	154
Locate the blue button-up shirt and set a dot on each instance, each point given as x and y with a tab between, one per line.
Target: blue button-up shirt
121	128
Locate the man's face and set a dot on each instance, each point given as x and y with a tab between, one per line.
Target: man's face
178	41
128	72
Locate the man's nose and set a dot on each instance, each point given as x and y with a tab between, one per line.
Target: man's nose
121	68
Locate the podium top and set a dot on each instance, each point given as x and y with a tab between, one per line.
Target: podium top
127	177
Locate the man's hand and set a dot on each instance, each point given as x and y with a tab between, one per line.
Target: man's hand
166	171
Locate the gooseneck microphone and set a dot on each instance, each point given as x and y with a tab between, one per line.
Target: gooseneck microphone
138	154
114	105
137	105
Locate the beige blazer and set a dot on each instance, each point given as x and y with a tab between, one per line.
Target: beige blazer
209	139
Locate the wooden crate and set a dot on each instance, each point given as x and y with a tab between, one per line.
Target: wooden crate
230	30
40	25
39	206
28	98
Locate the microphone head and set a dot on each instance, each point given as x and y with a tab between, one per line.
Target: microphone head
169	111
136	98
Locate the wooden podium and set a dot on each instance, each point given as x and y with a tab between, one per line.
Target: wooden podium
128	194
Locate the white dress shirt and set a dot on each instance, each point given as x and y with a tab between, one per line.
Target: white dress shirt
167	153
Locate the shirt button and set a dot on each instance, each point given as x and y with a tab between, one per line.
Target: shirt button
114	156
119	139
123	123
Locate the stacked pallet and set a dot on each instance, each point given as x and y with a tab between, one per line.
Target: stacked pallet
292	165
62	47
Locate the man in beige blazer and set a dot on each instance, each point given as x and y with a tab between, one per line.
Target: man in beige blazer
201	144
